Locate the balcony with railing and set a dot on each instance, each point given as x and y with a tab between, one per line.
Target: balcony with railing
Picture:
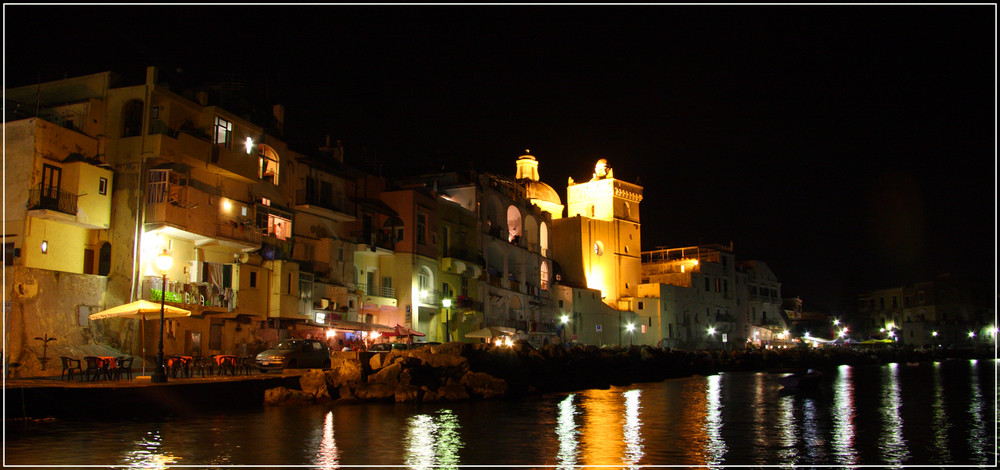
373	239
377	291
333	206
430	297
190	294
52	199
241	230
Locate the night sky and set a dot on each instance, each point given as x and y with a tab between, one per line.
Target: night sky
848	147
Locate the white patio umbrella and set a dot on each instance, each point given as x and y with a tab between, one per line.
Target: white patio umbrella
141	310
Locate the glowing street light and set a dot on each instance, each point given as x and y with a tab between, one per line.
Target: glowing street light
836	322
972	334
163	263
711	331
447	318
630	327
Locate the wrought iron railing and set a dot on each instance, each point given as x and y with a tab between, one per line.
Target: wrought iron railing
379	291
185	293
51	198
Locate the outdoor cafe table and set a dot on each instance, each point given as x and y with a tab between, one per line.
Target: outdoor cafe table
180	362
106	363
226	361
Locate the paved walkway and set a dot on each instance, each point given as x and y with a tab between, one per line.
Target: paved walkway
137	381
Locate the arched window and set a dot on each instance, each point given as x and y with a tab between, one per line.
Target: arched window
268	164
543	271
132	118
543	239
104	260
425	281
531	232
513	224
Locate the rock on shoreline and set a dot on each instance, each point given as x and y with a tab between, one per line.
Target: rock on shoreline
459	371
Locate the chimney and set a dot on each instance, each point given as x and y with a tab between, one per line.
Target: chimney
152	75
336	152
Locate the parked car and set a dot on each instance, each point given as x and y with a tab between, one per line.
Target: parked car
294	354
385	347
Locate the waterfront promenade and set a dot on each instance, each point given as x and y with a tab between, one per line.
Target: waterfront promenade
523	369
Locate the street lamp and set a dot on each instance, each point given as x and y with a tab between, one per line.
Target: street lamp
564	319
630	327
447	319
163	263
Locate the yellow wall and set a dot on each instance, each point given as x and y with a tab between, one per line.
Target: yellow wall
84	179
65	246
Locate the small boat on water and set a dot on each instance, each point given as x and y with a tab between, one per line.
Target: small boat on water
801	380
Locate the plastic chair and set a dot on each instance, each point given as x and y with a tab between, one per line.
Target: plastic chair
245	365
93	371
69	365
124	367
179	364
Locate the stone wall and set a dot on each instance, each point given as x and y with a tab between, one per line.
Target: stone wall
42	302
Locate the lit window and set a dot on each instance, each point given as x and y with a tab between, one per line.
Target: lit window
102	187
268	164
45	247
223	132
423	279
544	274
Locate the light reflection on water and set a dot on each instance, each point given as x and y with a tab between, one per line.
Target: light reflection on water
891	444
758	418
940	417
567	432
713	422
433	441
977	433
146	453
843	417
719	420
327	455
787	450
631	430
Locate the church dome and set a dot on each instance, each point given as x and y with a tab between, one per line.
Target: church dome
527	175
541	191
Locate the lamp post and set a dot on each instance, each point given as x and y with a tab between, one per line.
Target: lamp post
564	319
447	319
630	327
163	263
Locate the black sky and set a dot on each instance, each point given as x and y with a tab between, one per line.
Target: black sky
849	147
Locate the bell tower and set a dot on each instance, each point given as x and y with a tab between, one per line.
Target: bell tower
603	215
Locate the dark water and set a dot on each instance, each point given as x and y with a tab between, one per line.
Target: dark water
897	414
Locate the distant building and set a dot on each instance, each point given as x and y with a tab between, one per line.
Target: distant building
949	310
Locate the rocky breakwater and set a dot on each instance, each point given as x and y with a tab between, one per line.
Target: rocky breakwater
458	371
426	374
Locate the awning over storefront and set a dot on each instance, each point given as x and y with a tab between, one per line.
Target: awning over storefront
359	326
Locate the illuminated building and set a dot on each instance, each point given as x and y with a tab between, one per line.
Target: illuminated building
599	250
57	211
494	248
